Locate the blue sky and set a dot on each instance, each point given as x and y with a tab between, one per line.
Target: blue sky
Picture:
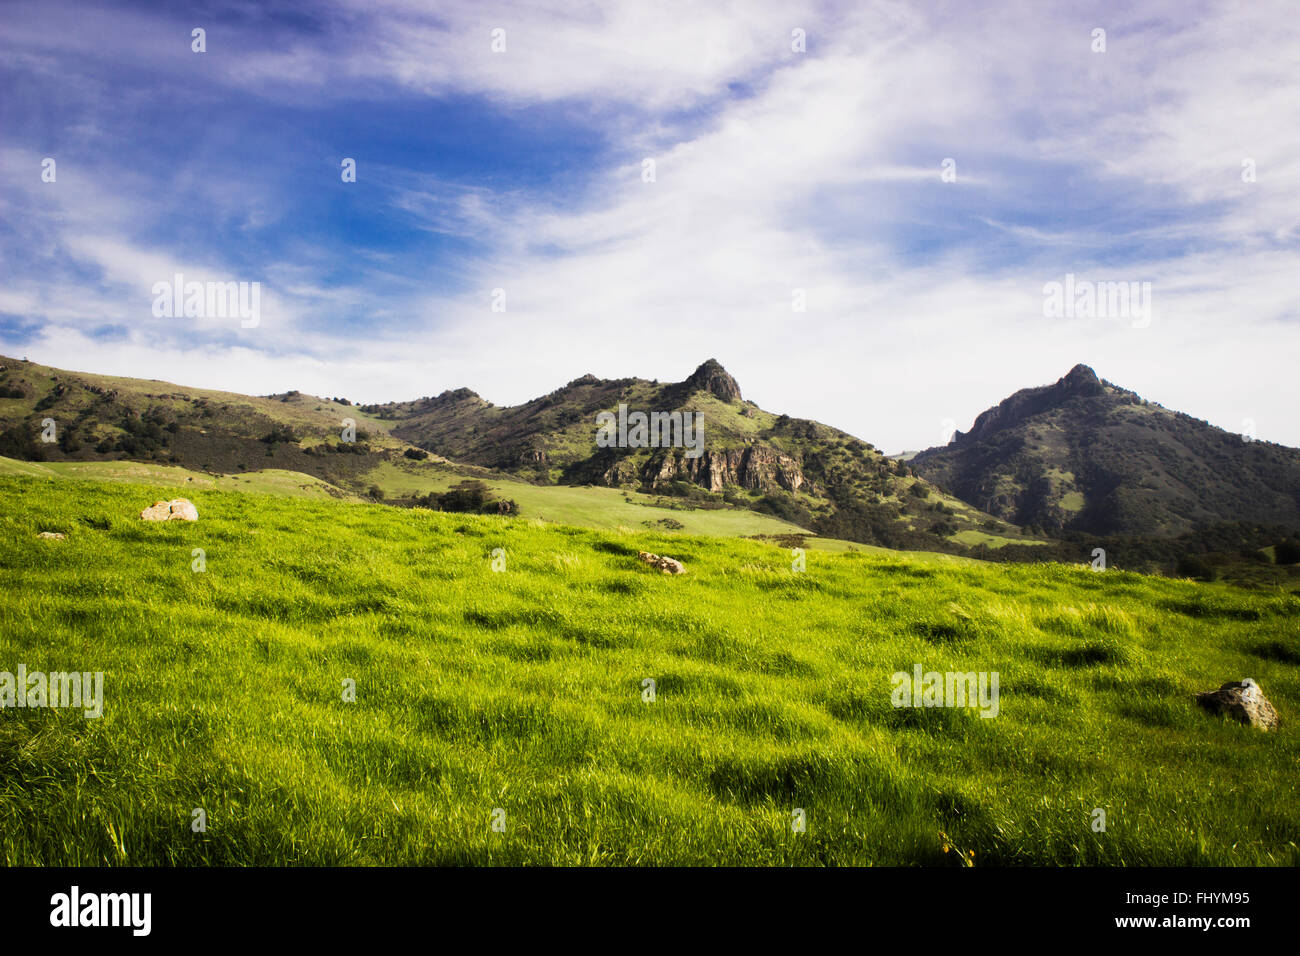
775	171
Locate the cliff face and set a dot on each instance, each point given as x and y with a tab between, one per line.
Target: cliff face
755	468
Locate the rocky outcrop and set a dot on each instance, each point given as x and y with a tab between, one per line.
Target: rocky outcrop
1078	382
666	565
178	509
713	378
754	467
1240	700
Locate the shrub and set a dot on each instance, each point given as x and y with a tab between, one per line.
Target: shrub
785	507
1287	552
1193	566
469	496
280	433
18	442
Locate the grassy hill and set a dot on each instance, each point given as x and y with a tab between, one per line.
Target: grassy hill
762	473
270	481
521	690
805	472
403	480
107	418
1085	455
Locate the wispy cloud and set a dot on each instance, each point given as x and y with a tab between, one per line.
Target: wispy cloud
774	171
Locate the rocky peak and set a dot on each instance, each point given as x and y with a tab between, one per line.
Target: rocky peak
1080	378
1080	382
713	378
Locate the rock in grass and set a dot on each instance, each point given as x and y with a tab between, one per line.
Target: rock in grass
1241	700
666	565
178	509
52	535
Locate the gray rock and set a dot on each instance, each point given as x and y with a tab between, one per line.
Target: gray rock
178	509
1242	700
666	565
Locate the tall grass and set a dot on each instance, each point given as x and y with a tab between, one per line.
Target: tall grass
523	691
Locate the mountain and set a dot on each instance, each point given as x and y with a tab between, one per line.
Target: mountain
806	474
101	418
803	471
1085	455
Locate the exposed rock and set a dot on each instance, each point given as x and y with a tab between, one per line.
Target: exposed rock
622	472
1079	381
1241	700
178	509
666	565
755	467
712	377
52	535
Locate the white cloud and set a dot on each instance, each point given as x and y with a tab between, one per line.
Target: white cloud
825	178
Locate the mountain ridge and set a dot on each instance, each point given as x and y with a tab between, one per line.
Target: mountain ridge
1083	454
807	474
803	471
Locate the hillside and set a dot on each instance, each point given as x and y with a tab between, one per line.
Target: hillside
1085	455
523	692
759	472
805	472
108	418
579	507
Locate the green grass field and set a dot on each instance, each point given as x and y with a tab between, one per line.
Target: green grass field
585	506
178	480
581	506
521	690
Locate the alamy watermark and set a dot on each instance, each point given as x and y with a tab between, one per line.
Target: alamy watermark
1085	299
177	299
58	689
653	430
129	910
949	689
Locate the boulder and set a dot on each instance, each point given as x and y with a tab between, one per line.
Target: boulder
666	565
178	509
1242	700
52	535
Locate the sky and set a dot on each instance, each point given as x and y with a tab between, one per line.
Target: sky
855	207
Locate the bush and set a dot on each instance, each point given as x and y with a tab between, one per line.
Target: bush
1287	552
469	496
785	507
1193	566
280	433
416	454
18	442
